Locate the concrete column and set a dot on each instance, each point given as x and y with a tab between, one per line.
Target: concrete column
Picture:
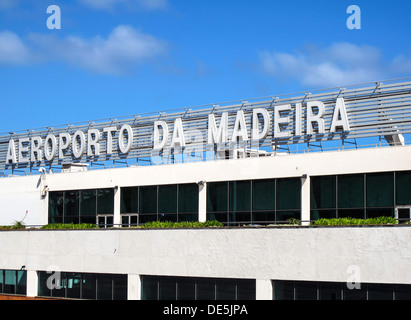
32	283
117	203
305	199
264	289
202	201
133	287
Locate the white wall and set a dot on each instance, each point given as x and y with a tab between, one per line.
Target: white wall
294	165
21	194
18	194
382	254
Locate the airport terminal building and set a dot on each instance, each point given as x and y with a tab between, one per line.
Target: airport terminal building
256	166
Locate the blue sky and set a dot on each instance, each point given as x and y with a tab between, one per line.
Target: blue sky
115	58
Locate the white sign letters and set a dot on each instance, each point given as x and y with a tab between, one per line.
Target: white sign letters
286	121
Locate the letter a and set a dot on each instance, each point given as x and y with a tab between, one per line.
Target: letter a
11	152
54	21
340	116
354	20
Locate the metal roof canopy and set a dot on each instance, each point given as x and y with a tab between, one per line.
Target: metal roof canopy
373	110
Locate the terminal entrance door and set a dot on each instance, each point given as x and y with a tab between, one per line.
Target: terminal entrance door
403	213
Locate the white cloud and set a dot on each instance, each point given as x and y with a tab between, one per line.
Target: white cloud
121	52
153	4
12	49
102	4
111	4
8	4
402	63
339	64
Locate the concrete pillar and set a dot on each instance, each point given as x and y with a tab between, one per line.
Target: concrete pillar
32	283
264	289
202	201
133	287
305	199
117	204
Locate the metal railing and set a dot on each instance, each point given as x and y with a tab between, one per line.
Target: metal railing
378	110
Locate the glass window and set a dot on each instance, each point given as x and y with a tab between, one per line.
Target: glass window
351	213
351	191
403	187
187	217
129	220
283	216
380	291
143	218
402	292
56	204
148	199
88	219
305	290
283	290
355	294
205	289
129	200
378	212
167	199
105	221
225	289
167	288
330	290
380	189
263	195
323	213
88	202
73	285
9	281
188	198
133	220
125	220
13	281
119	287
149	288
88	286
58	284
186	288
217	197
219	216
323	192
21	282
246	289
71	206
239	217
263	217
105	201
104	287
167	217
288	194
43	289
240	195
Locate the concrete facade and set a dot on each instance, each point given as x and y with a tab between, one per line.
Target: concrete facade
382	254
290	165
